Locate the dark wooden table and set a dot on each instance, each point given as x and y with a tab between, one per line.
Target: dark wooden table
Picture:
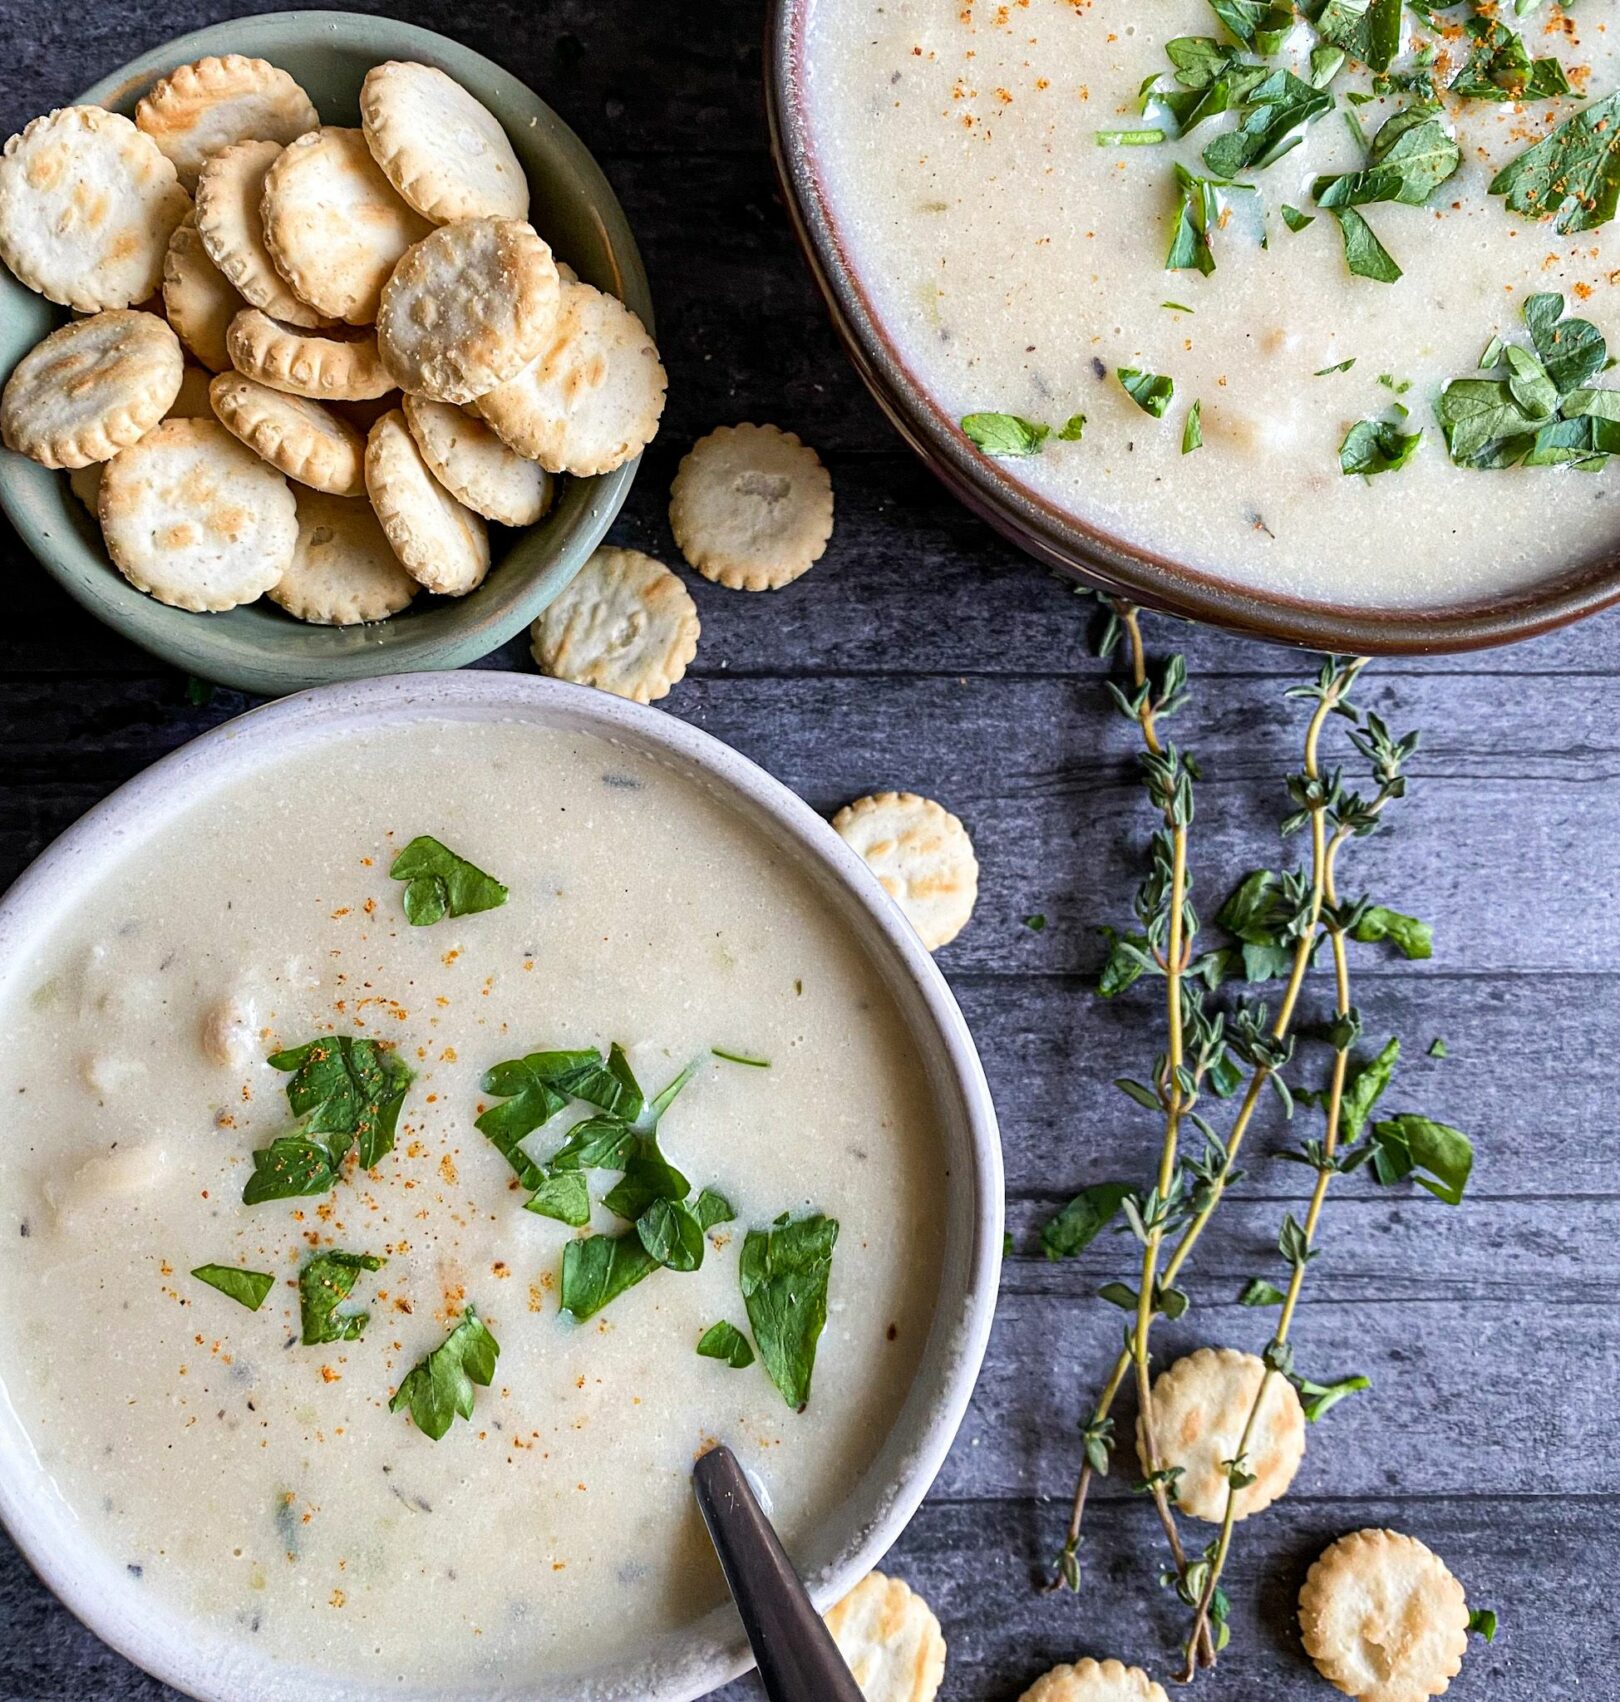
922	652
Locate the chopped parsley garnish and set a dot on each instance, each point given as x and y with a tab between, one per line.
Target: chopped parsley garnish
1573	174
324	1283
1275	115
1378	446
1364	254
1535	410
1083	1219
741	1058
346	1088
1192	433
1368	30
442	884
1201	209
1434	1155
1409	158
1483	1620
1150	391
1410	937
441	1386
783	1274
1011	436
1499	67
248	1288
599	1269
724	1341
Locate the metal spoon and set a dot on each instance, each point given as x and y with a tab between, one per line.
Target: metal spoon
798	1660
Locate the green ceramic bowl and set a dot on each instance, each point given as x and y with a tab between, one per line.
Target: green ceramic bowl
258	648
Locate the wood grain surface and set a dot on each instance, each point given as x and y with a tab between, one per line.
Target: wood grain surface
923	652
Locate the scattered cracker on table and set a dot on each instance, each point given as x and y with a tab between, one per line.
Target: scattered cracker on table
1383	1618
87	206
202	108
623	624
751	507
441	542
1095	1681
339	365
292	433
922	857
343	569
198	298
472	463
444	151
91	387
1201	1404
890	1640
467	309
333	224
229	193
593	398
196	519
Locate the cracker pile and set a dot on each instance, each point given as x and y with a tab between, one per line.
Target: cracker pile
397	357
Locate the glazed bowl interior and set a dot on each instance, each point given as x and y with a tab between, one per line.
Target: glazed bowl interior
258	648
205	1661
1057	537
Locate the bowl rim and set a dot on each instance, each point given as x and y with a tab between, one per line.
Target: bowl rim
190	641
1059	539
711	1651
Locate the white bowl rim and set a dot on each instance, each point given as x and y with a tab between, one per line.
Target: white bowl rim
157	1640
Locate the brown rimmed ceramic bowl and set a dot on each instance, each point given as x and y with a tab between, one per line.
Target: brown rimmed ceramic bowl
1079	550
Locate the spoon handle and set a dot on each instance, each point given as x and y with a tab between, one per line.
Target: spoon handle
798	1660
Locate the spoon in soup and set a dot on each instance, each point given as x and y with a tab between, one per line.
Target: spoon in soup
798	1660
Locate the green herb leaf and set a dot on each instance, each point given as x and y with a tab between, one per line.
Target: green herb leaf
324	1283
1411	938
1483	1620
441	883
247	1288
1004	434
1377	446
1499	67
783	1274
599	1269
741	1058
1083	1219
1258	1292
1148	390
670	1231
441	1386
1275	114
289	1168
1438	1048
562	1195
1411	156
712	1208
1365	1080
1192	433
349	1088
648	1176
1435	1155
1074	427
1036	923
724	1341
1296	222
1318	1399
1368	30
1364	254
1200	208
535	1089
1573	350
1573	174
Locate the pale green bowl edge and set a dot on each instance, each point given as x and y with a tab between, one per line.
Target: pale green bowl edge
259	649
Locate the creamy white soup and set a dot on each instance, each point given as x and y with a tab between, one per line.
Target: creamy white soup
1019	265
263	1487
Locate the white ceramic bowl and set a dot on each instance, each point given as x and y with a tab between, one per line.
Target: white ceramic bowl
207	1663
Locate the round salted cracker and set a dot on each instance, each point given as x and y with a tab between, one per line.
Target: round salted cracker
340	365
890	1641
202	108
333	224
467	308
623	624
1383	1618
592	398
190	403
91	387
343	569
472	463
229	193
441	543
87	206
751	507
445	152
1095	1681
198	298
196	519
922	857
292	433
1200	1405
